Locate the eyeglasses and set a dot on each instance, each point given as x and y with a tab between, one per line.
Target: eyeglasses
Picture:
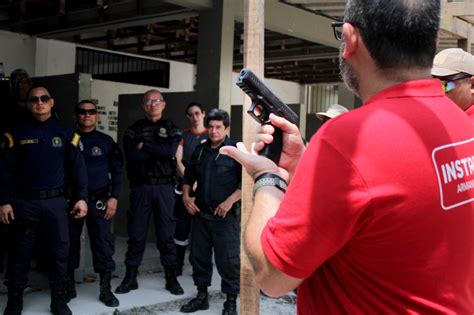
82	111
42	98
153	101
450	84
337	29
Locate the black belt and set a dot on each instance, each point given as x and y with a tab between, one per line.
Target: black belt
99	194
158	181
40	194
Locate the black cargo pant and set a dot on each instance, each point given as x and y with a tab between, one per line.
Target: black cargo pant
48	220
102	239
145	200
223	235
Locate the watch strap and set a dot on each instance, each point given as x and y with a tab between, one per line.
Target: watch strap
269	179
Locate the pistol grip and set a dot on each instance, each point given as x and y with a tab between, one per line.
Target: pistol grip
273	150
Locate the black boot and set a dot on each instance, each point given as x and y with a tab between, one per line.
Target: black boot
71	287
230	306
59	300
172	283
180	253
106	295
200	302
129	282
15	301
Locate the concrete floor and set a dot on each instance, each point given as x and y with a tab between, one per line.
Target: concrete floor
150	298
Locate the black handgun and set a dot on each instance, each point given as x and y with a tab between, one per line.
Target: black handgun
264	102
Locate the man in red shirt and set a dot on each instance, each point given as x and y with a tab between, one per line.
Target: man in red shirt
455	68
379	214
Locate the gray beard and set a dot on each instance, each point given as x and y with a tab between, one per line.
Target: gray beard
347	73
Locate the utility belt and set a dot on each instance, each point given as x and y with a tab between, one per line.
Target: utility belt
98	194
209	211
157	181
99	197
39	194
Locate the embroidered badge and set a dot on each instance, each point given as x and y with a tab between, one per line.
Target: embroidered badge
163	133
57	142
96	151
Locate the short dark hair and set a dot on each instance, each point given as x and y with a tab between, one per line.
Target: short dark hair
192	104
40	86
219	115
397	33
85	102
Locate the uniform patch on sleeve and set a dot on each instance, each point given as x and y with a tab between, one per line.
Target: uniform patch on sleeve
75	139
10	139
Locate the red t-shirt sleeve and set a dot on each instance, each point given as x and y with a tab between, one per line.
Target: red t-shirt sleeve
326	203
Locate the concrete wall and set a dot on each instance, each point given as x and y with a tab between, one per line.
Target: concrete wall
54	57
17	51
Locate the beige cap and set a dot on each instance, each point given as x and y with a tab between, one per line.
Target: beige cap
333	111
452	61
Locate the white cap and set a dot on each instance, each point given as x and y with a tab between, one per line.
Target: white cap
333	111
452	61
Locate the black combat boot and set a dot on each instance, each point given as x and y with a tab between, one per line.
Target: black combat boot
71	287
230	305
172	283
129	282
106	295
200	302
58	300
180	253
15	301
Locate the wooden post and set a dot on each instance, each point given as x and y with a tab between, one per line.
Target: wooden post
254	35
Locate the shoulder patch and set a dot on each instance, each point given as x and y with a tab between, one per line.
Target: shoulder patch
10	139
75	139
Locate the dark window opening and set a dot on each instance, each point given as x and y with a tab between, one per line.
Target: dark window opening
121	68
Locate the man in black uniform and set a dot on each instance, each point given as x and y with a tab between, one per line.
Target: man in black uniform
216	215
103	159
150	146
41	155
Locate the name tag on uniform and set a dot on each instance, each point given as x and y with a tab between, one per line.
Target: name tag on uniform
29	141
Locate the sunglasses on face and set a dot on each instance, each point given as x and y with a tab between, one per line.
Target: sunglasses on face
82	111
449	84
42	98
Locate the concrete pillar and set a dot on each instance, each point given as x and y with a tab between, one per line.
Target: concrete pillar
346	98
215	55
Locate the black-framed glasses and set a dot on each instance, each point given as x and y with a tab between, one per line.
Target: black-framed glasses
83	111
337	29
37	99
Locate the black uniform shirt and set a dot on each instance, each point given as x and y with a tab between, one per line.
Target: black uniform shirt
103	157
217	176
40	156
156	159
